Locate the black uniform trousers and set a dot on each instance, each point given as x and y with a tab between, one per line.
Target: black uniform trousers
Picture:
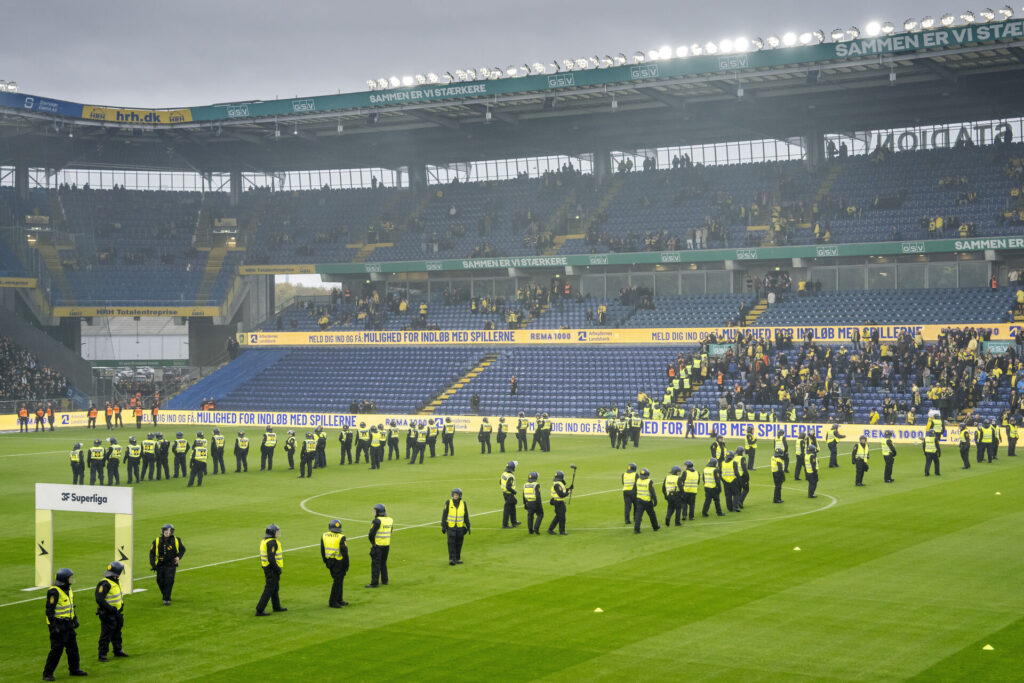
362	448
179	464
291	458
993	451
148	465
536	440
929	460
133	466
198	470
712	495
393	448
501	441
271	589
165	579
1011	447
613	435
338	570
113	473
689	503
644	507
534	515
321	457
812	483
242	462
629	506
674	503
965	454
77	473
432	444
410	447
520	440
379	564
559	519
729	488
742	489
449	444
508	513
62	639
346	453
306	465
889	461
981	450
833	454
161	464
110	632
266	458
456	535
751	456
485	441
778	478
96	470
862	467
799	466
623	438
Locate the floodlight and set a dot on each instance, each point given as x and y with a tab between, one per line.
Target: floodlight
394	81
607	61
408	81
12	86
773	42
594	62
433	78
757	44
947	19
789	39
538	68
652	55
371	85
725	45
819	36
382	84
460	74
910	25
853	32
1006	12
967	17
449	77
568	64
805	38
741	44
838	34
682	51
928	23
987	14
710	47
639	57
512	71
696	50
471	74
873	28
664	52
888	28
421	79
581	64
485	73
620	59
553	66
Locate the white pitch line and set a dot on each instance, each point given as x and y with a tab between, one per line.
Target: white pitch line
19	455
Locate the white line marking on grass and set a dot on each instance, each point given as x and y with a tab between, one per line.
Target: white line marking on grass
19	455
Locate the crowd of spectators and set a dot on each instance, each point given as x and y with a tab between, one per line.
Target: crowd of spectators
24	378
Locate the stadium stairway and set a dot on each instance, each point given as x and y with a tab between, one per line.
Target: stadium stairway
214	262
365	250
827	182
451	390
755	312
51	257
229	377
559	241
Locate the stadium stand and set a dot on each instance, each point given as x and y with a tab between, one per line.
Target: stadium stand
24	378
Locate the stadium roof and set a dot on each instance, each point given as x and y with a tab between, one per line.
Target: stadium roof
931	77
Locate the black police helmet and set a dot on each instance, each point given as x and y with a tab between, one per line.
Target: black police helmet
645	472
159	435
78	445
180	435
131	439
560	475
199	435
688	464
511	466
95	442
216	431
241	433
676	469
114	569
64	575
380	509
334	525
712	462
150	435
167	526
533	476
269	428
112	440
457	492
272	529
632	467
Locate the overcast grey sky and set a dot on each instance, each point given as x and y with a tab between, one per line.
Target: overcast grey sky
194	52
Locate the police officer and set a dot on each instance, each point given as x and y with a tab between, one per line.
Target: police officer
164	557
1012	430
380	545
97	458
636	425
162	449
671	489
994	439
484	436
432	433
217	451
782	446
508	492
611	429
200	440
718	449
889	456
110	609
308	455
377	438
421	441
751	447
832	441
241	452
712	488
521	426
860	459
148	455
345	439
197	465
742	478
362	442
930	443
537	434
133	459
114	453
691	479
965	446
646	501
502	433
77	465
778	474
180	448
629	493
811	471
455	525
267	449
559	494
289	449
730	474
448	437
321	446
532	504
392	439
410	442
272	561
334	552
801	453
62	622
544	427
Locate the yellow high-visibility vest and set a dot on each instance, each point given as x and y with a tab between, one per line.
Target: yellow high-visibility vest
455	515
643	490
76	456
690	480
531	491
114	597
200	453
264	554
628	481
383	537
332	545
709	477
671	483
65	607
505	476
271	439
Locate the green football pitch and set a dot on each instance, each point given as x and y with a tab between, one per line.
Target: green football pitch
909	580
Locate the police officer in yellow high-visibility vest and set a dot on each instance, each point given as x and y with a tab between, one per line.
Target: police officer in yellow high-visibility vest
133	459
272	562
730	481
811	470
217	451
110	609
801	454
778	474
335	556
646	501
860	459
629	492
62	622
484	435
712	488
455	525
931	452
377	437
532	504
180	449
832	441
989	441
751	447
267	449
507	483
380	545
672	490
149	455
77	465
241	452
1012	430
97	455
522	424
448	437
690	483
559	496
782	446
114	453
307	455
200	454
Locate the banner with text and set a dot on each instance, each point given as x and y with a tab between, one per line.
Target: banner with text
18	282
592	337
285	269
256	421
141	117
136	311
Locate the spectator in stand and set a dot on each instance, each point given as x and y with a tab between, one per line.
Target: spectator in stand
24	378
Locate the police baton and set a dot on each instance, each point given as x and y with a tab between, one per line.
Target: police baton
572	483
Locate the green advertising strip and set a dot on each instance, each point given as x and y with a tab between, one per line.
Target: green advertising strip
655	70
699	256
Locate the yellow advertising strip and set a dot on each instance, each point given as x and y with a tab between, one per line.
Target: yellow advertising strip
143	117
654	337
172	420
18	282
136	311
288	269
